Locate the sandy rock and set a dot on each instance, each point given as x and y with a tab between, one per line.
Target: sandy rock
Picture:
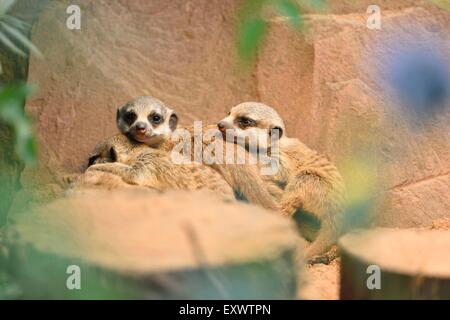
181	52
337	103
322	282
325	82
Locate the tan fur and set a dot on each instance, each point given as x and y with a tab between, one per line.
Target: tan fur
245	179
139	165
149	163
311	183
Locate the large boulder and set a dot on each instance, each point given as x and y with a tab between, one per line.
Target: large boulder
325	82
329	84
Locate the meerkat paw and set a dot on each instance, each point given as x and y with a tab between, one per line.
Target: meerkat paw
286	209
69	178
112	167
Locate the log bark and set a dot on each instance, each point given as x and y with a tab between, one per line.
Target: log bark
413	264
137	244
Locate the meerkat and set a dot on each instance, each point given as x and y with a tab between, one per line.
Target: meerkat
147	120
140	156
137	164
312	185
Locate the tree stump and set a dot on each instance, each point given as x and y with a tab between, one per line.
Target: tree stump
413	264
139	244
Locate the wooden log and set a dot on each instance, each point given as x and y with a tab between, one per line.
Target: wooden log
139	244
413	264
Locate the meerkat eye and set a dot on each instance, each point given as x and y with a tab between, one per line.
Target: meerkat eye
156	118
130	117
246	122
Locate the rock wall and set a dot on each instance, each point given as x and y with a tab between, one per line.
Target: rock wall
324	81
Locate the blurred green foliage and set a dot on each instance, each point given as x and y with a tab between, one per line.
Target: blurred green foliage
12	31
444	4
252	26
12	99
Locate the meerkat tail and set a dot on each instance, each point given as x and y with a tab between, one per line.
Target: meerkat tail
313	196
326	238
248	182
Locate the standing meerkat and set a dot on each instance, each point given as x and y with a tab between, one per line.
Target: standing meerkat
312	185
140	155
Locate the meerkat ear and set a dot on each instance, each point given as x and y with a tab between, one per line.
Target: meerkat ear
113	154
118	114
173	121
276	129
93	158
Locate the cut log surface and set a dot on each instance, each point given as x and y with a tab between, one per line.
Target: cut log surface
414	264
218	249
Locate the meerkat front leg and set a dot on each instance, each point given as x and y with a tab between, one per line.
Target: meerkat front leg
128	173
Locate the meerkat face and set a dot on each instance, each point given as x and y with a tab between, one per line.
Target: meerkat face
251	123
114	149
103	153
146	120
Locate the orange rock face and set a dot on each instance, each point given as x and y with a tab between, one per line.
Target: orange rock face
325	82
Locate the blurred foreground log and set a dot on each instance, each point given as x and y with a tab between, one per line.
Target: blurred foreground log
413	264
139	244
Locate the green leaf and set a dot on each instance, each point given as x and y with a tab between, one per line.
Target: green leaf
251	35
8	43
5	5
16	23
251	29
318	5
12	114
20	37
290	10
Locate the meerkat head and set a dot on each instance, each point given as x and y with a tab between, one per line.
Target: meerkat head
146	120
111	150
103	153
252	122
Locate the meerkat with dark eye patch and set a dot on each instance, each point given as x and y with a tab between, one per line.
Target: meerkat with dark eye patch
140	156
138	165
147	120
312	185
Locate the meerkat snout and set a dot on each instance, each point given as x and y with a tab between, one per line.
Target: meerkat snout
141	126
146	120
221	125
251	124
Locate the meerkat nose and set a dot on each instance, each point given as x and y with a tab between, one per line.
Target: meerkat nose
141	126
221	125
